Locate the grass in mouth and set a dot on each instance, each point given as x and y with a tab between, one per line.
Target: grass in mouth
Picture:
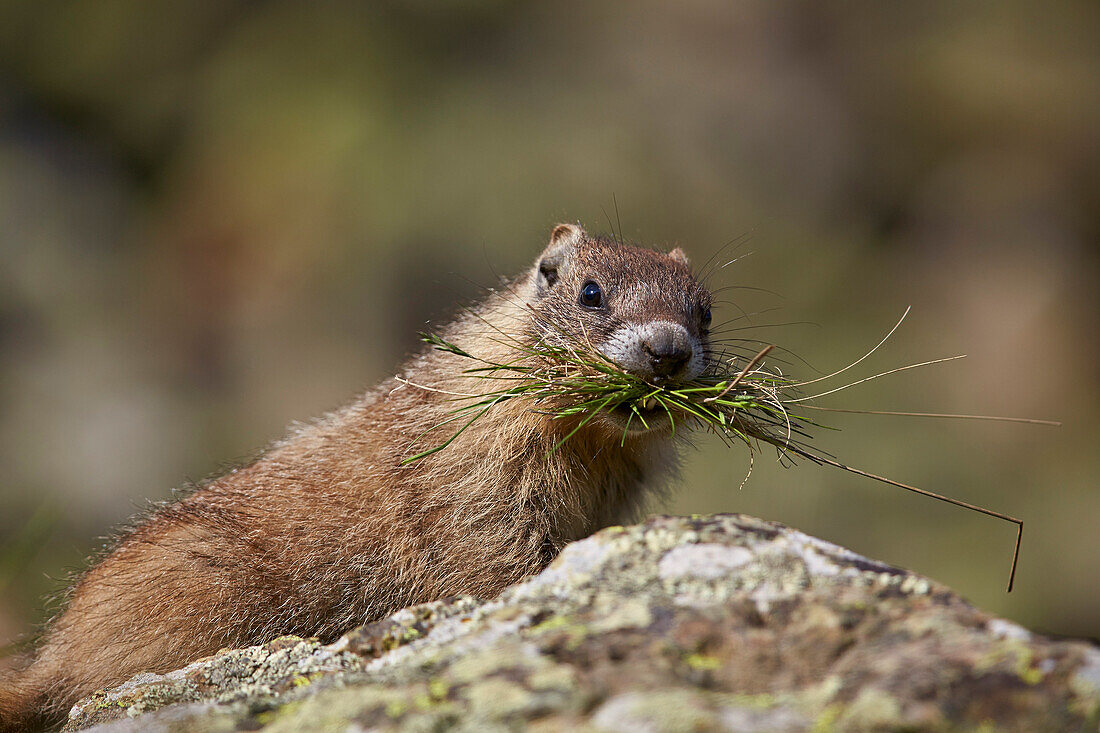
750	404
563	382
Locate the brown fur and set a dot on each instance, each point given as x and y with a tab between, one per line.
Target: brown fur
327	530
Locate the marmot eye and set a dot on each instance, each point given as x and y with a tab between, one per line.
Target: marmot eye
591	295
706	317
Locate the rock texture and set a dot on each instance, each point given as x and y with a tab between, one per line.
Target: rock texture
706	623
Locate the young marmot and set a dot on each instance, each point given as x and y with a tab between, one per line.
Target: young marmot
329	530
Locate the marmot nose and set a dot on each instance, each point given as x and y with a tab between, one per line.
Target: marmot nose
667	353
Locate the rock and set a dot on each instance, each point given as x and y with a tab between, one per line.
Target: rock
704	623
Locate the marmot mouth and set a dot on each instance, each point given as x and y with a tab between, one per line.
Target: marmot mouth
650	416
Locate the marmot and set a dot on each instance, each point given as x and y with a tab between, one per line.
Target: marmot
328	529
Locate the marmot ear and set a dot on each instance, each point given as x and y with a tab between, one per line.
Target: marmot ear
678	255
570	234
555	259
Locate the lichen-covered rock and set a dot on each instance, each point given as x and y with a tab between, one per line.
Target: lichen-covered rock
706	623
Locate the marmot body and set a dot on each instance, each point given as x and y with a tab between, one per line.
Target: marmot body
328	530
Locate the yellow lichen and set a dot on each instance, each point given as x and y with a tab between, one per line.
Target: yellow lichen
702	661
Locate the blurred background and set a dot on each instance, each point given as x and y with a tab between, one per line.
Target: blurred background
219	217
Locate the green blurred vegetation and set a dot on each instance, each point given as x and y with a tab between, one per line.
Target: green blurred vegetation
218	217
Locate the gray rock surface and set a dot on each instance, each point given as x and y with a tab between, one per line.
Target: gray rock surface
705	623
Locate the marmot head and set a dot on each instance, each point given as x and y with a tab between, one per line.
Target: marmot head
642	309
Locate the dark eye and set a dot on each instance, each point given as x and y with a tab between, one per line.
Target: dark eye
706	317
591	295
